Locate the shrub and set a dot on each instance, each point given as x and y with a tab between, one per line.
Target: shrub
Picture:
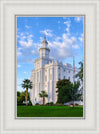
20	104
59	104
71	104
76	104
47	104
30	103
51	103
37	104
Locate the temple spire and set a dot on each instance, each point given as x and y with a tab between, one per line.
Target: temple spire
44	40
44	49
44	36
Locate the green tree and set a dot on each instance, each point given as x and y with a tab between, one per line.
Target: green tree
28	85
20	97
43	94
63	89
18	93
67	91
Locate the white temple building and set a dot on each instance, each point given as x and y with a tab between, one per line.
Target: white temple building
46	74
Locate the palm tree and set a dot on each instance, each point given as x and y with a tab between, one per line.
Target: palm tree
80	73
43	94
80	76
75	93
27	84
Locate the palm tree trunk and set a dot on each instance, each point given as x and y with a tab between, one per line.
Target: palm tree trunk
26	95
43	100
73	103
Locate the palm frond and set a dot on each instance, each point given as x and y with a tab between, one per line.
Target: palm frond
27	84
43	94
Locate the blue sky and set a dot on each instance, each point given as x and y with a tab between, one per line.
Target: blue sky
64	35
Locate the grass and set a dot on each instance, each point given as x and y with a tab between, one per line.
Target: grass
49	111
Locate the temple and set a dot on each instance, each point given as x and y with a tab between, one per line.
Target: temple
46	74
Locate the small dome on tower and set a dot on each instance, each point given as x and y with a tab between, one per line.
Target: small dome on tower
44	40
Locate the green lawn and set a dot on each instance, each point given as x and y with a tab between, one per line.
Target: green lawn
49	111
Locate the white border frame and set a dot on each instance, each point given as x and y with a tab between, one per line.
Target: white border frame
84	98
91	9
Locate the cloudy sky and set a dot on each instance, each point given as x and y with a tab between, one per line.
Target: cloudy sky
64	35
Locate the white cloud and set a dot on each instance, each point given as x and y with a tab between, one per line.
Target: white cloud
19	53
30	36
75	46
26	26
68	24
78	19
47	32
73	39
25	72
19	80
58	38
63	47
18	65
27	43
41	38
60	48
58	21
67	29
81	38
35	52
25	60
25	39
28	50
